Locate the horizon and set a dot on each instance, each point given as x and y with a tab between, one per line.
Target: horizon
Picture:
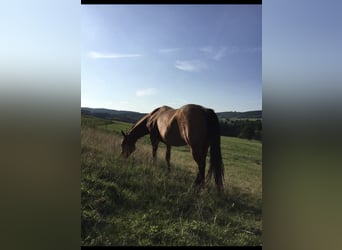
171	107
143	57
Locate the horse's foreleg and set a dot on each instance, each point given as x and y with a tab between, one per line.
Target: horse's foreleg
154	151
155	143
168	155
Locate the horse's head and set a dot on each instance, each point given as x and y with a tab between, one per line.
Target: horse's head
127	145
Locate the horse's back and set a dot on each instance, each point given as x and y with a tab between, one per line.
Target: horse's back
156	114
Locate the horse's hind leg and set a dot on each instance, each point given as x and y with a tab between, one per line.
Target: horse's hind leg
168	155
199	182
200	158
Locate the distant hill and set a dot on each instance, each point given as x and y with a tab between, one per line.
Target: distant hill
125	116
131	116
257	114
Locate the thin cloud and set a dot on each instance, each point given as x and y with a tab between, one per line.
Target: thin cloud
218	53
207	49
145	92
190	66
98	55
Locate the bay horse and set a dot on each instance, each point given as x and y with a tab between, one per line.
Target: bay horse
191	125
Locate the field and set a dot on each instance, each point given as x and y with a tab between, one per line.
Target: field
133	202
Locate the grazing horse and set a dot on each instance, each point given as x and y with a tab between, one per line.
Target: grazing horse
191	125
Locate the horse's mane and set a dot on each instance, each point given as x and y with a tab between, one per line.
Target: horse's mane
144	119
140	122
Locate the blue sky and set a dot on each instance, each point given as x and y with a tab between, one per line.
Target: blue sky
143	56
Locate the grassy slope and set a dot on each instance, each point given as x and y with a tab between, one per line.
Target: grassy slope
132	202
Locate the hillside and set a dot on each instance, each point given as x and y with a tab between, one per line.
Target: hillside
131	116
126	116
257	114
132	202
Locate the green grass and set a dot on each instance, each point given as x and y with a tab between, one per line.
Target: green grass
133	202
116	126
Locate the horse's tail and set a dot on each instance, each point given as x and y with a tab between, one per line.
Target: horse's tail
216	164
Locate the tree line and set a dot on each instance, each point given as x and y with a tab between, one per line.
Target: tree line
242	128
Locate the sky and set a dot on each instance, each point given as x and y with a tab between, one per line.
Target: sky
140	57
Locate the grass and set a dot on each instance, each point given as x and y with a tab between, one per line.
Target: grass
135	203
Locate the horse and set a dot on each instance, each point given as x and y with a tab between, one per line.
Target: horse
192	125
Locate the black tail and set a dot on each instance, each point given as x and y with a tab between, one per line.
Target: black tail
216	164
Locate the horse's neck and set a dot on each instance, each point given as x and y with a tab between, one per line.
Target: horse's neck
139	129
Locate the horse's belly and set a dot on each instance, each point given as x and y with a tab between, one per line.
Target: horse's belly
173	140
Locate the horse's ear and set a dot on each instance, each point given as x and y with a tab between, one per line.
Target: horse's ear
123	133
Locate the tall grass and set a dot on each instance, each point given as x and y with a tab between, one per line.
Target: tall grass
133	202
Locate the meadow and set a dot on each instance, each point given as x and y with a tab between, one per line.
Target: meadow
135	203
